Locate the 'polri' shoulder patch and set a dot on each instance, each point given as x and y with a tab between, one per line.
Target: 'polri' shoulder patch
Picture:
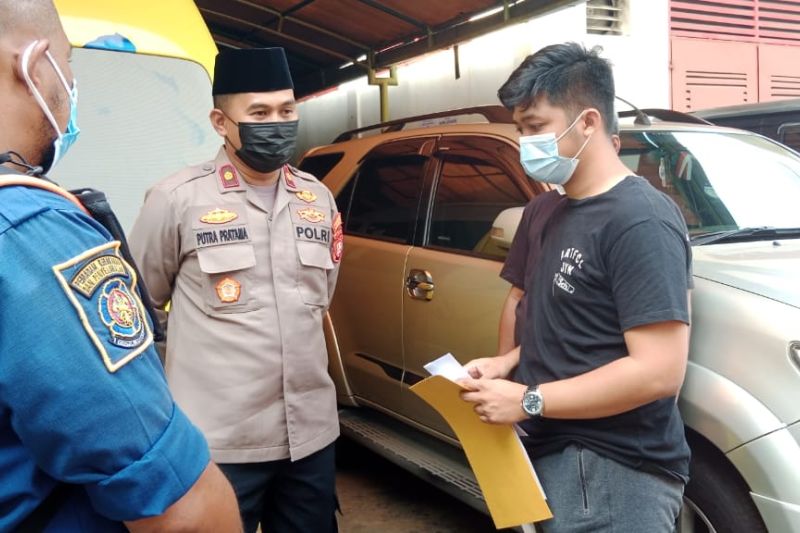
102	288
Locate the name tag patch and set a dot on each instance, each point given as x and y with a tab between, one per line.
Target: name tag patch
318	234
101	287
216	236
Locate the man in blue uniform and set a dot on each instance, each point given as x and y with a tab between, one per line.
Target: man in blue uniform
90	437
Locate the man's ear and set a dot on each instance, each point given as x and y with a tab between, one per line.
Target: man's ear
35	57
592	121
217	118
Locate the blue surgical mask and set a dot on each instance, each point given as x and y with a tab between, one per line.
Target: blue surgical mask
539	156
64	139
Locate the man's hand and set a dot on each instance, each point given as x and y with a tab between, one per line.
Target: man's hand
493	367
497	401
486	367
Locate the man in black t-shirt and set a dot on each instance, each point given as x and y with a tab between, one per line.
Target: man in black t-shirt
605	343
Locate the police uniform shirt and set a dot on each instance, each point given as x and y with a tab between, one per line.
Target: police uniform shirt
83	399
249	286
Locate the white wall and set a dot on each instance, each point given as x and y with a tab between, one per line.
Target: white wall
428	84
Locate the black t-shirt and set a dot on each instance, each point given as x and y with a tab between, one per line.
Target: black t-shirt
525	249
608	263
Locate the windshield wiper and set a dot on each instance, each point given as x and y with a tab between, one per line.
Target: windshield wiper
745	234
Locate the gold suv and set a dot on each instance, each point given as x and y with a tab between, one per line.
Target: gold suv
430	205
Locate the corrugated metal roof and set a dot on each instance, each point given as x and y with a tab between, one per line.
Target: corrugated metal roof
332	41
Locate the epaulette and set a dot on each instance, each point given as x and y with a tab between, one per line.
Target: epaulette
301	174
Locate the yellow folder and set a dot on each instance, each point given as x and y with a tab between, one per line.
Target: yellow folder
494	452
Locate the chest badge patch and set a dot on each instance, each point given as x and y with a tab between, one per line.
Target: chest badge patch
228	290
307	196
218	216
311	214
227	175
119	311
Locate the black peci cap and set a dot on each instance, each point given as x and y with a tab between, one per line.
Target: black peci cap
251	70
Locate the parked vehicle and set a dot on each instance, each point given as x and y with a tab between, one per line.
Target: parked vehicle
144	72
779	120
429	213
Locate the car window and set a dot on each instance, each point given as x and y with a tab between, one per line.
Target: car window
385	192
714	190
479	178
790	135
320	165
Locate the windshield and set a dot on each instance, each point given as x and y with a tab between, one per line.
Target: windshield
142	118
721	181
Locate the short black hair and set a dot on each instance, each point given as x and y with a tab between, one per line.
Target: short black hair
570	76
221	101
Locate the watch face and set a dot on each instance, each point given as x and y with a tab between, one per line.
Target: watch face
532	402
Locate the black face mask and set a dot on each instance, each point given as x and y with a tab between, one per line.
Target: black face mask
267	146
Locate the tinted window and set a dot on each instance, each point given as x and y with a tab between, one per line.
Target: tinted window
479	179
790	135
387	189
319	165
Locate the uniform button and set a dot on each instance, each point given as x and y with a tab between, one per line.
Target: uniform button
208	167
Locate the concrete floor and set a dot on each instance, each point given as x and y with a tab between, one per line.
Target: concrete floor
378	497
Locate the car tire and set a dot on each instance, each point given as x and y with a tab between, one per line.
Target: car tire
717	499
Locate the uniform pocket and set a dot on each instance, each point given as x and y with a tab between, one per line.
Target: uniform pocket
312	274
227	277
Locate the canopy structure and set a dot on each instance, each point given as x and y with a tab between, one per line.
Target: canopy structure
329	42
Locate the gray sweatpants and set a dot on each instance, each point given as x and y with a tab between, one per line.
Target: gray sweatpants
590	493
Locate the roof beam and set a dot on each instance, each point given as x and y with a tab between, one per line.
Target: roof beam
295	20
282	35
396	14
222	37
519	12
297	7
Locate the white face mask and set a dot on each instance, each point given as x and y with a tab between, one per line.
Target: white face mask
64	139
539	156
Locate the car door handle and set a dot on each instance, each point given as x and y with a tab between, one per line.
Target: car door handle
419	284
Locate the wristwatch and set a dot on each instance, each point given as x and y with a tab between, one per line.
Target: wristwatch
532	401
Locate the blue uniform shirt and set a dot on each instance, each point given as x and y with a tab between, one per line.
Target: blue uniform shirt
83	397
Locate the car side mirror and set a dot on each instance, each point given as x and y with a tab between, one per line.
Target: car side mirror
505	226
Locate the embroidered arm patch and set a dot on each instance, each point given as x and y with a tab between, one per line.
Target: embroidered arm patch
102	288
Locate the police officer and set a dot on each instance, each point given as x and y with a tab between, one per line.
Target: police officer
90	438
247	248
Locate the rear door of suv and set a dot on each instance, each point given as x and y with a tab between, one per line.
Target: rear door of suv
453	293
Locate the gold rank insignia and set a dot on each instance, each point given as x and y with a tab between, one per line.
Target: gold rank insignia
228	177
218	216
311	214
307	196
228	290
